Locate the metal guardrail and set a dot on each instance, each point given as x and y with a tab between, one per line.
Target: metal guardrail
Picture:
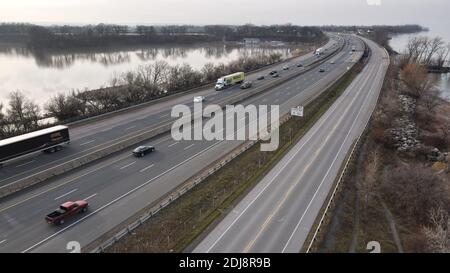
194	182
183	190
171	198
116	145
341	177
204	87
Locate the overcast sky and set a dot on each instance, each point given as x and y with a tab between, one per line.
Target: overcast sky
302	12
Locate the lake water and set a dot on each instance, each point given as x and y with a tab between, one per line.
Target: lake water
399	42
41	75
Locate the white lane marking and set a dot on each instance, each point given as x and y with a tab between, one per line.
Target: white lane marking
144	169
131	127
86	143
188	147
126	166
335	158
24	164
115	200
173	144
163	116
90	197
118	198
312	132
64	195
1	242
73	179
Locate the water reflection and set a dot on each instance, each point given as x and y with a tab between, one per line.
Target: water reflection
443	84
41	74
64	60
399	43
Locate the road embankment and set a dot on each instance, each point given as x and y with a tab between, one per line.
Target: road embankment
181	224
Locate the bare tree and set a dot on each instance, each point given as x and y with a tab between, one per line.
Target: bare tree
445	131
159	72
430	99
210	72
2	115
24	114
3	122
416	79
65	107
435	45
423	50
414	190
442	55
438	233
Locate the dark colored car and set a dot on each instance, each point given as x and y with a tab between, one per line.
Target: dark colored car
273	72
322	69
246	85
260	78
143	150
66	210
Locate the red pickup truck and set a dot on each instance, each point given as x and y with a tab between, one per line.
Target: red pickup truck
66	210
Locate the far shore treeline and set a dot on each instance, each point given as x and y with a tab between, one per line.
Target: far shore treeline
103	35
20	114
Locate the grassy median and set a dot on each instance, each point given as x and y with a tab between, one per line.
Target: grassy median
176	227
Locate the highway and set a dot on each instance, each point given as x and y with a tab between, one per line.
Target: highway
121	185
278	214
89	137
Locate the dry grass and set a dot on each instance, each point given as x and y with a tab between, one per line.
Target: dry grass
178	225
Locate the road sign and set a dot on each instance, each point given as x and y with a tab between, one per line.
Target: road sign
297	111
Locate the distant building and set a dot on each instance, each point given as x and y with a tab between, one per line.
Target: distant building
276	43
251	41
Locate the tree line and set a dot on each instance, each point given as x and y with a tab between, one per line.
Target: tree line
396	29
66	36
145	83
426	51
414	183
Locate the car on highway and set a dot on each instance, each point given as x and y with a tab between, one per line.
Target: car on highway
276	75
332	62
199	99
260	78
273	72
286	67
246	85
300	65
65	211
322	69
143	150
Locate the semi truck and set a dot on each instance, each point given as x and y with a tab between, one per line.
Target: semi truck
48	140
319	51
230	80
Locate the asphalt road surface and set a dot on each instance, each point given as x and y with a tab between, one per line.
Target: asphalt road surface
87	138
277	215
121	185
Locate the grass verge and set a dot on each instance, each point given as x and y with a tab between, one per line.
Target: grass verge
177	226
